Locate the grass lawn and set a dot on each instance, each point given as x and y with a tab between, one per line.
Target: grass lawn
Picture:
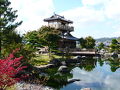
42	59
11	88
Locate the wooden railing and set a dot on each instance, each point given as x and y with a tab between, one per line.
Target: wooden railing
77	50
62	27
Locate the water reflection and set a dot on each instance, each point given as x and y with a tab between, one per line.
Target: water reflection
57	80
97	74
115	64
88	64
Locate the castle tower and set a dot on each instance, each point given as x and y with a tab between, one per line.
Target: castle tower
60	23
64	26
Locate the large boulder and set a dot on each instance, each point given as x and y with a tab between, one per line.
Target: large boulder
77	57
63	69
73	80
56	62
69	61
114	55
63	63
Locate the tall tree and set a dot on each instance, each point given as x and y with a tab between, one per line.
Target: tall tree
82	43
90	42
114	41
101	46
115	47
11	41
50	37
45	36
32	39
7	23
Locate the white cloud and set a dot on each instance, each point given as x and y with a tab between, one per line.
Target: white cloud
87	16
92	2
99	78
111	81
112	9
84	15
32	12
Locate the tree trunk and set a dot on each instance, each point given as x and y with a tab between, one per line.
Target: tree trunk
49	53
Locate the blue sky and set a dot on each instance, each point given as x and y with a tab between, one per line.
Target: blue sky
63	5
96	18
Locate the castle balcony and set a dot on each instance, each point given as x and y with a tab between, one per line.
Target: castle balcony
62	27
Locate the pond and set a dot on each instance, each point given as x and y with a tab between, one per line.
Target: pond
94	73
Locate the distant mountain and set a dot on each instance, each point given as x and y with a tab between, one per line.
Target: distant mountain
105	39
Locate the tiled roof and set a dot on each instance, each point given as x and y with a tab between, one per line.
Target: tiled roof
69	36
58	17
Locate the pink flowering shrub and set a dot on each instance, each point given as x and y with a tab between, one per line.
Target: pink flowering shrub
9	67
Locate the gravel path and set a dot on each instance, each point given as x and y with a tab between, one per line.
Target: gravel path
25	86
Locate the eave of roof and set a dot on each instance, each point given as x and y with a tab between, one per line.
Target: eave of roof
57	17
69	37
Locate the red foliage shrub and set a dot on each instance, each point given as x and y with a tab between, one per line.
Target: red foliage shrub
9	67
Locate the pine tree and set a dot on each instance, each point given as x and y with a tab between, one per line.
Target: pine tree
7	23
